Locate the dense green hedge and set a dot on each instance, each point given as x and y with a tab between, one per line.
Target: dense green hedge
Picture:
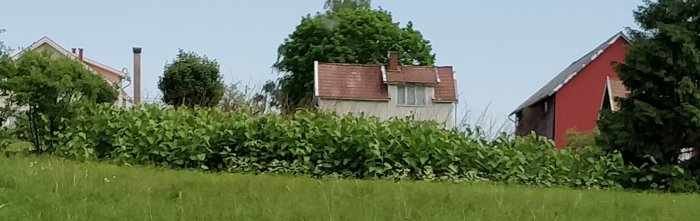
324	144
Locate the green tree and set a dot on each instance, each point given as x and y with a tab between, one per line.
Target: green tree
361	36
661	115
46	92
191	80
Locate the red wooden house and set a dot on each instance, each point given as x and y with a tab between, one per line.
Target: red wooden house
574	98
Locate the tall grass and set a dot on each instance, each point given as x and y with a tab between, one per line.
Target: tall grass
484	124
54	189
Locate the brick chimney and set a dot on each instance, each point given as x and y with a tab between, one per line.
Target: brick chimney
393	61
72	50
137	75
80	54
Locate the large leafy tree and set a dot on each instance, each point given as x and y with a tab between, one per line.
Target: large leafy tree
45	92
661	115
191	80
348	34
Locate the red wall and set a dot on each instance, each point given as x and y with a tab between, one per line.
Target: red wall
578	102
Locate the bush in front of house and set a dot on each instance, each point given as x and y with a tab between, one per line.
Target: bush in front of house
323	144
41	92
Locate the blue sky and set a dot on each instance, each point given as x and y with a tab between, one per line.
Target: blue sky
503	51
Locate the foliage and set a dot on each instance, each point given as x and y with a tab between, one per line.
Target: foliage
337	5
243	100
660	115
43	92
323	144
4	50
361	36
191	80
578	139
11	145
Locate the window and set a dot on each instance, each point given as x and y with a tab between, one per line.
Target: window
411	95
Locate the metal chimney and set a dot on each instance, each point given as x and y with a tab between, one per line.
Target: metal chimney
137	75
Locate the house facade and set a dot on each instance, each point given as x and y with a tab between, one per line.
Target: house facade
574	98
111	75
391	91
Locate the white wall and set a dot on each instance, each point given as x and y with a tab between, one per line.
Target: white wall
443	113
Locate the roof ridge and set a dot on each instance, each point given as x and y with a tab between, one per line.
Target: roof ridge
376	65
108	68
65	52
351	64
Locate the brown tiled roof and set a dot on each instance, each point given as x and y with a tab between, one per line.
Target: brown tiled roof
411	74
446	90
616	89
365	82
346	81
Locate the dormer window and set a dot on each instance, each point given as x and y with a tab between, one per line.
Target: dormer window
411	95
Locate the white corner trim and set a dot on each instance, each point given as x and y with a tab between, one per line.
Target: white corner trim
615	39
597	54
383	68
610	96
454	79
44	40
571	76
316	93
437	75
557	88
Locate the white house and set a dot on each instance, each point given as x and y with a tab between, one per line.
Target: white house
424	92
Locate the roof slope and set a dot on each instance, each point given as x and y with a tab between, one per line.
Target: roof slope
349	81
567	74
446	90
369	82
90	63
413	74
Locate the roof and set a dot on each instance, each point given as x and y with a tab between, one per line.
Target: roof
567	74
347	81
88	62
370	82
615	90
413	74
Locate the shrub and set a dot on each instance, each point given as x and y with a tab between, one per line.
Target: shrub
191	80
324	144
43	92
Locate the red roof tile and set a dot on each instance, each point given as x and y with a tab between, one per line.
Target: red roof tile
446	90
365	82
343	81
411	74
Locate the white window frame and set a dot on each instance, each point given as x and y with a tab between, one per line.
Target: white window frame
403	89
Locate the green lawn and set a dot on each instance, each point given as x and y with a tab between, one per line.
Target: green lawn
54	189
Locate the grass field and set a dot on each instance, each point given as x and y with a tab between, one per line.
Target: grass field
41	188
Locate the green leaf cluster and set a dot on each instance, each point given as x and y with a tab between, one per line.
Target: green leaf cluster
323	144
191	80
42	91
